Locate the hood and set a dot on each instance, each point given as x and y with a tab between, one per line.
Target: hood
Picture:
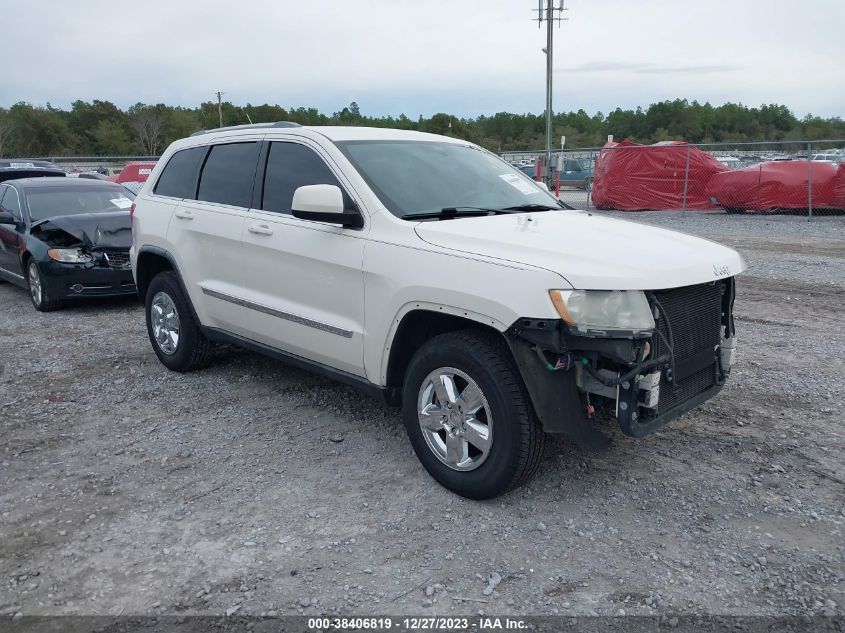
592	252
94	230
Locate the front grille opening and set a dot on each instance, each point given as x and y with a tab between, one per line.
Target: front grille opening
117	258
693	314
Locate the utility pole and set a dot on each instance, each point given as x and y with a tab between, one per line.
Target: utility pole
549	13
220	106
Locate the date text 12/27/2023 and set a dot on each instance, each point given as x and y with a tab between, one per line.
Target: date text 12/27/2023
433	623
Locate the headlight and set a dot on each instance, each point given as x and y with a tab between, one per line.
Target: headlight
69	255
591	310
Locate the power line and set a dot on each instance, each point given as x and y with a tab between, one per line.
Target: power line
549	13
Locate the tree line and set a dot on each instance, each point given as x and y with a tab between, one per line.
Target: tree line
101	128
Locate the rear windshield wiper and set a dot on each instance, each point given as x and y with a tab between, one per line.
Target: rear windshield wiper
447	213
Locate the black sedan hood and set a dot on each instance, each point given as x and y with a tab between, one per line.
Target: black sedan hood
93	230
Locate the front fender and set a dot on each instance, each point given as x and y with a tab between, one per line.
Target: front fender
399	279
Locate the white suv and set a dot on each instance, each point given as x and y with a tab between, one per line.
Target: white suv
429	271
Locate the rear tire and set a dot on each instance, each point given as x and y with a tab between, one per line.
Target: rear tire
41	299
588	185
174	333
503	424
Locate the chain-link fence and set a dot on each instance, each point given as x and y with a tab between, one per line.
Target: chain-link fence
107	165
801	177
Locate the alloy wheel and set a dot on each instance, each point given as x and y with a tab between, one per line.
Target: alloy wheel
165	323
34	283
455	418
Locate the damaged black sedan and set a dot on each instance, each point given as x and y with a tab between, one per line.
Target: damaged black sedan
65	239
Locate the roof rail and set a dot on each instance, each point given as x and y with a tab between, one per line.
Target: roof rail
248	126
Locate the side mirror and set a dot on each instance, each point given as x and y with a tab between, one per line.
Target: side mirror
324	203
543	184
7	218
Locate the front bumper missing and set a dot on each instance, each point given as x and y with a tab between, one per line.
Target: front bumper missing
637	403
561	398
640	427
644	386
636	394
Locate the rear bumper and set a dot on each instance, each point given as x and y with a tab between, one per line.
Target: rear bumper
72	281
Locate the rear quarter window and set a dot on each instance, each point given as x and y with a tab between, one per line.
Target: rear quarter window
179	177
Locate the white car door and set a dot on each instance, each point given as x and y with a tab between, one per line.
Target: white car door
205	233
304	287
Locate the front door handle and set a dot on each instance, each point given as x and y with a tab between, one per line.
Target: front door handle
185	214
260	229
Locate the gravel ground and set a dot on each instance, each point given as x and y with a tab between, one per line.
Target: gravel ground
254	488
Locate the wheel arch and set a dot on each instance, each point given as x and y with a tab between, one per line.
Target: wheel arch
553	396
419	322
152	260
26	257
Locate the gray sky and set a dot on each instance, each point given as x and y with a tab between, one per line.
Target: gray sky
466	57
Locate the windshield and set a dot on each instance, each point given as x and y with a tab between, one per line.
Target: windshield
423	177
51	202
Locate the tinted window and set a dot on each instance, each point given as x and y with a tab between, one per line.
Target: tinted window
179	178
9	201
229	173
290	165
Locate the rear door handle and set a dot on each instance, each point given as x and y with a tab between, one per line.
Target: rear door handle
184	214
260	229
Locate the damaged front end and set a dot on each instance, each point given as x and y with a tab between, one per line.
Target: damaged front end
646	375
86	254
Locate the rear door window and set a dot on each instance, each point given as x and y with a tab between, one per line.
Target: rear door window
229	174
289	166
179	177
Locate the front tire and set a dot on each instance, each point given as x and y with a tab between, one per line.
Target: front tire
41	299
174	333
468	416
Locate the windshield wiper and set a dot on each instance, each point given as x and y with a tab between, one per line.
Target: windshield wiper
447	213
529	207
